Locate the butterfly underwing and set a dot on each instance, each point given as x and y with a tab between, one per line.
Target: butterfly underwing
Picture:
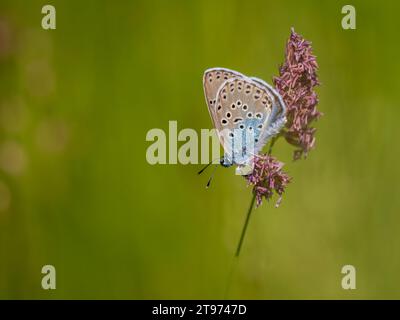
246	112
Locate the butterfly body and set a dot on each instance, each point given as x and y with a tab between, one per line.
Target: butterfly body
246	112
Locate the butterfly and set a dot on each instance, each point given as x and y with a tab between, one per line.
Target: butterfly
246	111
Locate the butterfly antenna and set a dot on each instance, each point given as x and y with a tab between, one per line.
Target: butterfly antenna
211	162
212	175
201	171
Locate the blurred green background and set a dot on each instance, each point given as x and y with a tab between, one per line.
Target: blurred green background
76	191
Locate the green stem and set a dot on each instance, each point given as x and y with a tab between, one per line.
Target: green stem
245	225
273	140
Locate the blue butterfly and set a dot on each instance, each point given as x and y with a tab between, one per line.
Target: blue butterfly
247	112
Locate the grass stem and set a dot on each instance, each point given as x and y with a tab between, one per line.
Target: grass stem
245	225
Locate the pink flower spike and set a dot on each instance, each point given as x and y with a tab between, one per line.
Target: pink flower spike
296	82
268	178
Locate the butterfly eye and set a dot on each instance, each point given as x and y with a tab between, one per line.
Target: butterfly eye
239	102
228	115
219	107
260	126
250	128
256	140
256	97
249	115
245	107
233	106
224	121
259	115
241	126
236	120
211	102
224	97
231	134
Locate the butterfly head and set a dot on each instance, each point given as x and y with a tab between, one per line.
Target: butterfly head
241	169
226	162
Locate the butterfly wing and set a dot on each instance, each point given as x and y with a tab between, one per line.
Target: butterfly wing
247	114
212	80
277	118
